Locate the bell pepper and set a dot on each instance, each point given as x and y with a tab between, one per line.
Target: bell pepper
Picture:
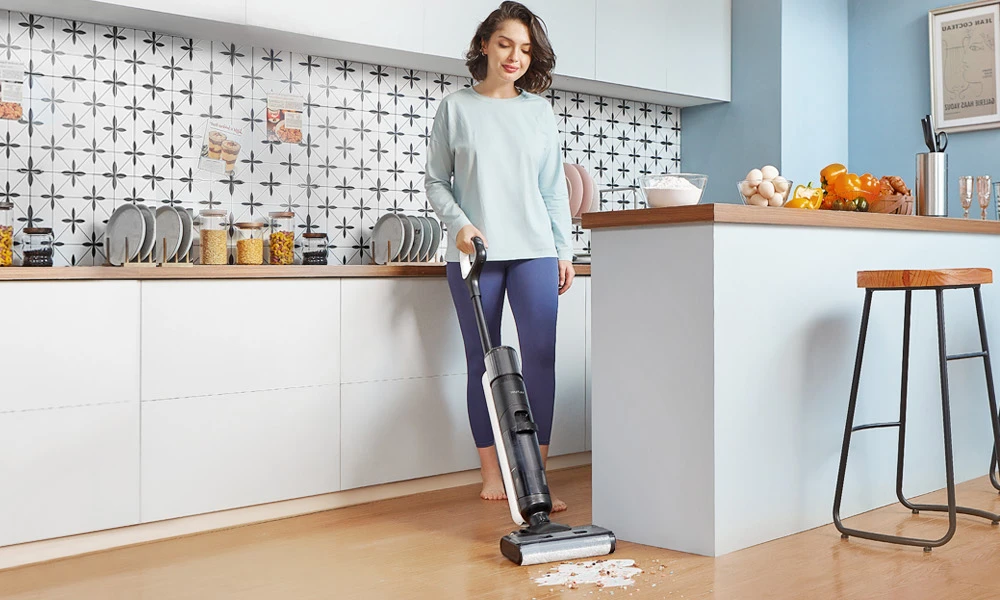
831	172
806	196
848	187
871	188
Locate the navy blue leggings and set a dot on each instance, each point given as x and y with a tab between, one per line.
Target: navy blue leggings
532	287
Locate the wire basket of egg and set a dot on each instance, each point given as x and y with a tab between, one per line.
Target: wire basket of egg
765	187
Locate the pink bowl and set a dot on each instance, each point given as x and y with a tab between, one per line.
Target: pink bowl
575	183
588	191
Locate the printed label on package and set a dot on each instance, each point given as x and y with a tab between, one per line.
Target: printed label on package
221	147
284	118
11	89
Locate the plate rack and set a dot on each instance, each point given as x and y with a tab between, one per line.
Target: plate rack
149	262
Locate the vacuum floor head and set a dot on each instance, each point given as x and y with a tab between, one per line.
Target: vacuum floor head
525	548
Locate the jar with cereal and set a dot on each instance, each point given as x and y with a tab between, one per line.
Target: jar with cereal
6	234
214	240
281	240
250	243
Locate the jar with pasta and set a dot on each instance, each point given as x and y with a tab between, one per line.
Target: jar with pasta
250	243
213	237
281	238
6	234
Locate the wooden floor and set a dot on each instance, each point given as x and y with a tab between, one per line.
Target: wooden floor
444	545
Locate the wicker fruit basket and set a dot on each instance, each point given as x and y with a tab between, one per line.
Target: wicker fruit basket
894	204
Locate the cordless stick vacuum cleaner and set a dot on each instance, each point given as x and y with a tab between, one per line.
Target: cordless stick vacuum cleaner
539	540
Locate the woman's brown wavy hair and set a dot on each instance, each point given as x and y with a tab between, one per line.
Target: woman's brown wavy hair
538	77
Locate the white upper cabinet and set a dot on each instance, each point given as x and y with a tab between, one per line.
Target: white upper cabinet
395	24
699	57
571	25
631	42
227	11
449	25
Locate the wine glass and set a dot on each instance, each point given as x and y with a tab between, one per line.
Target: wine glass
983	192
965	193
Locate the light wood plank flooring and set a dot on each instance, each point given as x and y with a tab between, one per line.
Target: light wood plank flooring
444	545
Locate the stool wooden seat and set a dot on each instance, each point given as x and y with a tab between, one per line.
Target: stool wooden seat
922	279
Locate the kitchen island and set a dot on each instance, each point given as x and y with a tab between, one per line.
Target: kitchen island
723	346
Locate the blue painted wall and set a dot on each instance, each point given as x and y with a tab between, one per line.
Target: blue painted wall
789	103
720	140
889	91
814	83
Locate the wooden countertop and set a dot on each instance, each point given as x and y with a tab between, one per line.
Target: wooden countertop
755	215
228	272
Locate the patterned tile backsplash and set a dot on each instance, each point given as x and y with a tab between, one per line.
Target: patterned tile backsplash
115	115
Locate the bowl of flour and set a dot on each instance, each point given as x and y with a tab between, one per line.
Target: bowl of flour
673	189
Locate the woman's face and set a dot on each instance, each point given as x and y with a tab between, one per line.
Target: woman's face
508	53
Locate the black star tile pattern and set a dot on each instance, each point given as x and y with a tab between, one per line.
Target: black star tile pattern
115	115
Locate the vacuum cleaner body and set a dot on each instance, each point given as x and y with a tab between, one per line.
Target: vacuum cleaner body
539	540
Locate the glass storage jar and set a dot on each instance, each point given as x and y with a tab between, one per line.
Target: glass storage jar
213	240
314	248
281	240
250	243
37	246
6	234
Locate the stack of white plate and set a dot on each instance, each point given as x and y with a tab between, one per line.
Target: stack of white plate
405	238
146	233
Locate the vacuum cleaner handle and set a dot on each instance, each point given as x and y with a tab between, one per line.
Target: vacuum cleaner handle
471	268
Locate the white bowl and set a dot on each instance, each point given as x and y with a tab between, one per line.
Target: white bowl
673	189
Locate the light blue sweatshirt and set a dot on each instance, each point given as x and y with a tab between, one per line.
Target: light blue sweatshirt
497	164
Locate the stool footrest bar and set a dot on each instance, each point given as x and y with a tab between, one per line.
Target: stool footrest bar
874	426
967	355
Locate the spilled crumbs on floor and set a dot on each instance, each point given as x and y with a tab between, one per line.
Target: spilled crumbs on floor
606	574
602	573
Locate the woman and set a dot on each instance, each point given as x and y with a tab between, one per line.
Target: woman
495	170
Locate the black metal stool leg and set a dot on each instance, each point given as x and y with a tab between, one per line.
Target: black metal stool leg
994	415
851	405
903	387
946	415
949	465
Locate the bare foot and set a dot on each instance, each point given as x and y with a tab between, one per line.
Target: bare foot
557	504
493	490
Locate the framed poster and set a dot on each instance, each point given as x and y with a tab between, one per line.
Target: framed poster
964	60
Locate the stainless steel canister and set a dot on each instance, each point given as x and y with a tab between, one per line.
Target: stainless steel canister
932	184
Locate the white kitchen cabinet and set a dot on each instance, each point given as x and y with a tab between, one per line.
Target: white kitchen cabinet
87	331
569	421
631	45
209	337
586	283
219	452
449	25
404	429
228	11
699	53
68	470
572	25
399	327
393	24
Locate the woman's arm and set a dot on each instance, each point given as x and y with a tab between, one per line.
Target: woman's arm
437	181
552	184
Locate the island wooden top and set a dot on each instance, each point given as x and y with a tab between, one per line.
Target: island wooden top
756	215
229	272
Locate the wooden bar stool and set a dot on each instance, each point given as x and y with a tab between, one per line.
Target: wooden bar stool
909	281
